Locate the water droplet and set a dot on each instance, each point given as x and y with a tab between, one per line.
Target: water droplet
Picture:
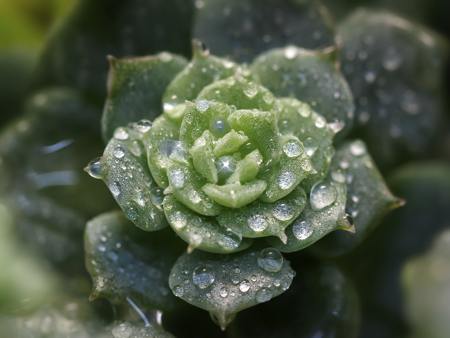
177	178
283	212
357	149
338	176
270	260
135	148
302	230
290	52
174	150
121	134
123	330
320	122
178	220
225	165
310	146
392	60
292	149
257	223
251	90
244	286
202	277
178	291
114	187
168	106
286	180
268	98
322	195
263	295
143	126
223	292
219	127
370	76
101	248
202	105
94	168
118	152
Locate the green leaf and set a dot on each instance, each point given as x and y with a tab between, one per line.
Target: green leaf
243	29
395	70
201	71
201	232
136	87
368	198
75	53
310	77
203	157
123	168
425	283
261	219
324	213
43	155
312	130
321	302
225	285
126	263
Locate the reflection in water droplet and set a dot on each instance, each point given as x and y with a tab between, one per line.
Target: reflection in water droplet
292	149
322	195
270	260
223	292
286	180
94	168
302	230
357	148
202	105
202	277
244	286
178	220
257	223
121	134
263	295
177	178
114	187
283	212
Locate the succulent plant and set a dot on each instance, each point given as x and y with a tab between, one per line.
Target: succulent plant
238	175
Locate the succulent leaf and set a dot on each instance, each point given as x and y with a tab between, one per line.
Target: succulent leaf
242	29
136	87
125	262
225	285
311	77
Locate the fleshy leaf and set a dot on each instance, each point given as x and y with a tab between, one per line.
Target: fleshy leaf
229	143
395	70
127	263
288	171
324	213
247	168
310	77
136	87
368	198
75	53
265	219
203	157
199	231
235	195
239	91
242	29
225	285
201	71
123	168
312	130
321	302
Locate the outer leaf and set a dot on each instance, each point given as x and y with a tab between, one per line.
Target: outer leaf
225	285
75	53
311	77
136	87
123	168
368	198
43	155
313	224
126	263
321	302
243	29
201	232
395	70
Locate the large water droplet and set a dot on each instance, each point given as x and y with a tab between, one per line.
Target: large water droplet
322	195
177	178
114	187
244	286
283	212
178	220
290	52
118	152
263	295
202	277
223	292
286	180
257	223
202	105
251	90
142	126
225	166
357	148
302	230
94	168
270	260
121	134
292	149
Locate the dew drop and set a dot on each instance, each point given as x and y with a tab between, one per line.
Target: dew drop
143	126
118	152
290	52
223	292
322	195
244	286
257	223
123	330
251	90
338	176
202	105
370	76
286	180
270	260
225	166
94	168
310	146
263	295
202	277
177	178
292	149
357	149
302	230
114	187
178	291
121	134
283	212
320	122
178	220
168	106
